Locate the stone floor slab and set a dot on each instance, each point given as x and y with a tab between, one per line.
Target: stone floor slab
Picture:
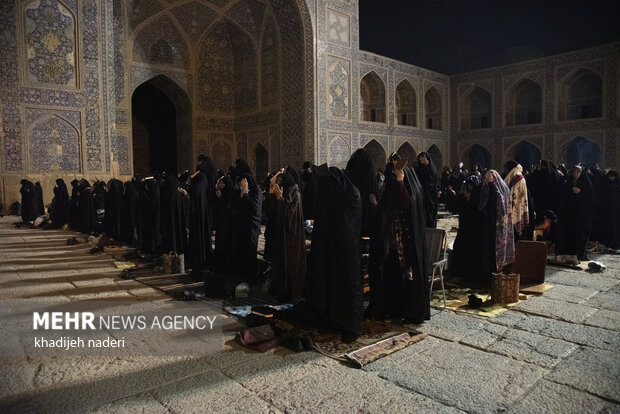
593	370
605	318
549	397
570	312
452	326
450	373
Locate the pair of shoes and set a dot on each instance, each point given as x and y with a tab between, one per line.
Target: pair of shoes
474	301
297	344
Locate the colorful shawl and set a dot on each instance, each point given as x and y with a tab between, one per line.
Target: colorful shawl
518	198
504	232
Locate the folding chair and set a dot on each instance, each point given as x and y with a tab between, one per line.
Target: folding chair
436	245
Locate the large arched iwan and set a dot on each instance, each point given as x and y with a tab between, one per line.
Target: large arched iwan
161	127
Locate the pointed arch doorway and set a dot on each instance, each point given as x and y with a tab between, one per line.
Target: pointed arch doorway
161	127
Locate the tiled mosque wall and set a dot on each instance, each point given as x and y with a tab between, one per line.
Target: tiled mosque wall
341	66
240	74
550	133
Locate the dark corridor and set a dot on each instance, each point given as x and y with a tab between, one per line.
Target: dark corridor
154	131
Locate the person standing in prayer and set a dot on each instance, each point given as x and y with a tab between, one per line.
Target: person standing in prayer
86	207
224	205
495	204
518	197
173	232
398	264
470	252
246	225
113	209
309	193
149	237
73	209
39	191
335	290
129	213
427	174
289	243
30	209
362	174
544	188
200	249
60	204
575	218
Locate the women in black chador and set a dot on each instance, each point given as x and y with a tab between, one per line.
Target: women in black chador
60	204
30	210
575	218
335	291
246	226
148	216
172	216
398	268
427	174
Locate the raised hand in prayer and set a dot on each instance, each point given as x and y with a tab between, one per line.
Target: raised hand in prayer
244	187
276	190
373	200
576	190
400	175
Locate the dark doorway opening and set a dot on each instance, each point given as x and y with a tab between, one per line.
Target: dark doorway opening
154	131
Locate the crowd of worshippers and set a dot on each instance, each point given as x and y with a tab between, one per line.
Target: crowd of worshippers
214	218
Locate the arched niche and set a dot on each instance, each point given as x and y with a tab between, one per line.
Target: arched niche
580	96
477	154
581	150
260	161
433	108
526	154
339	152
377	153
409	153
372	94
406	104
476	109
161	127
436	156
524	103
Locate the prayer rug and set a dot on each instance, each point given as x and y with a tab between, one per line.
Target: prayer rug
378	339
457	299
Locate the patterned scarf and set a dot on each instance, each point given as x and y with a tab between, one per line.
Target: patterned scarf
518	198
504	231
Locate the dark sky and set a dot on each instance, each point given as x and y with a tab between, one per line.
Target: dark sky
456	36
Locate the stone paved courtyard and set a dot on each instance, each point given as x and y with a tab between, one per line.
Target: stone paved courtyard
557	353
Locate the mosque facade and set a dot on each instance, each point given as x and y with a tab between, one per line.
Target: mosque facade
277	82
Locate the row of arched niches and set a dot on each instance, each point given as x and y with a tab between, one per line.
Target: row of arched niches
579	96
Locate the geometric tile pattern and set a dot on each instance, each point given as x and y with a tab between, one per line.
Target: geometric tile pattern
54	146
50	39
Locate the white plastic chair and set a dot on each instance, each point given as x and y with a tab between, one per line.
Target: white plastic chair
436	245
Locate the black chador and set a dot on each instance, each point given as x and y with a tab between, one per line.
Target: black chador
172	216
575	218
74	200
40	206
335	290
60	204
471	247
397	268
427	174
246	225
224	205
113	208
86	207
363	175
30	210
200	249
309	193
129	213
289	242
148	216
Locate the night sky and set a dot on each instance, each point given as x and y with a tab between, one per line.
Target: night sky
457	36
